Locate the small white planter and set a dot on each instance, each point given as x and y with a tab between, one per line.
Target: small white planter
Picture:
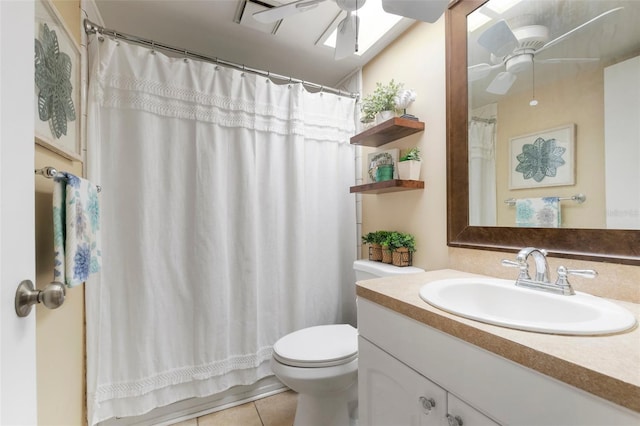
383	116
409	170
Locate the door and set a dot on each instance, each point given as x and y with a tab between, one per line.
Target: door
390	393
17	256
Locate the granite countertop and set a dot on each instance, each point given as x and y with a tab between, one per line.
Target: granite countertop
607	366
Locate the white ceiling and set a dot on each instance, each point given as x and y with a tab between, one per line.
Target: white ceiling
207	27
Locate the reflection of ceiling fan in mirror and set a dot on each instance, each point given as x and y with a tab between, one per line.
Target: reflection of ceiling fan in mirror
516	51
347	37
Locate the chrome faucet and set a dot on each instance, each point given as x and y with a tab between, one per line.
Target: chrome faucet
540	258
541	280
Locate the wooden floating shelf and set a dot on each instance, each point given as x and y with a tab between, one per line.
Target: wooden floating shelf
388	131
393	185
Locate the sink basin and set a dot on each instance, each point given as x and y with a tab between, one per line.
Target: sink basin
501	302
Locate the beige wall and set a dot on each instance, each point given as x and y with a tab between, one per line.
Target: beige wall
555	109
59	333
418	60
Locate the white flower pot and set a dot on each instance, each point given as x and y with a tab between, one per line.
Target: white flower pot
383	116
409	170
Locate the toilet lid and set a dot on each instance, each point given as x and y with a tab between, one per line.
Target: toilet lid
320	346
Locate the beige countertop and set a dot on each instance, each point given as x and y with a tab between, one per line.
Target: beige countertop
607	366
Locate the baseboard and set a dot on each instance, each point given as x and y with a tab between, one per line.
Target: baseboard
196	407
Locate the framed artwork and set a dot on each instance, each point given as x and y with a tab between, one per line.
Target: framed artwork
544	158
57	83
379	158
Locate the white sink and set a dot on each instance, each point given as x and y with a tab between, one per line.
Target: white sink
500	302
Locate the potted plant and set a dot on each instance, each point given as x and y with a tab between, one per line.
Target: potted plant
401	245
375	239
409	165
381	104
386	249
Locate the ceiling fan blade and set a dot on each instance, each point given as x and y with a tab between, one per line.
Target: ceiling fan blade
498	39
422	10
276	13
502	83
578	28
346	37
563	60
480	71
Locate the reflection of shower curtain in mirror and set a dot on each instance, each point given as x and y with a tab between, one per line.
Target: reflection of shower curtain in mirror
226	223
482	166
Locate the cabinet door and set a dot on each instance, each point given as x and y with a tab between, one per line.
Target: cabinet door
392	394
460	413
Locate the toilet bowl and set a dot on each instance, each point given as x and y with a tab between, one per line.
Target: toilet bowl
321	363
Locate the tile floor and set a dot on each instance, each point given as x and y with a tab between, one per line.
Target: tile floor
276	410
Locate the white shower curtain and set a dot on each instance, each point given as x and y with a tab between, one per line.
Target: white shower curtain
482	166
226	223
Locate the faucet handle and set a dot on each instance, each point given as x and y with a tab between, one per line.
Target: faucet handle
563	282
523	266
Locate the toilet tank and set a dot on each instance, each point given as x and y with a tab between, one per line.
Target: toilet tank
368	269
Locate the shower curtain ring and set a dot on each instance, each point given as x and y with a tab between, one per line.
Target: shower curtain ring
153	47
115	38
186	53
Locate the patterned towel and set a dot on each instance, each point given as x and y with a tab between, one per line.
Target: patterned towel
76	221
538	212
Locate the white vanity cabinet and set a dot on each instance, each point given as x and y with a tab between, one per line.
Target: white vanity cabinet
390	394
402	360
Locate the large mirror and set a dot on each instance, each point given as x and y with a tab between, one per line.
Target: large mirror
543	133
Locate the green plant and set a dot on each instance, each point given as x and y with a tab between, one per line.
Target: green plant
382	99
377	237
412	154
369	238
396	240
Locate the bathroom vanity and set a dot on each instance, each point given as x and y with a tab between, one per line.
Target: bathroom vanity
419	365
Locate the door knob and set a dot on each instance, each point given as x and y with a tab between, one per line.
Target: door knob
26	296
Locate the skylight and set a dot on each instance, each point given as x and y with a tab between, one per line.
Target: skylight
374	24
491	10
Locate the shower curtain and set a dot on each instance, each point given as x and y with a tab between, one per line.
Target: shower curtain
482	166
226	223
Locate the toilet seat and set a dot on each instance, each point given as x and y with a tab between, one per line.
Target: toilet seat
316	347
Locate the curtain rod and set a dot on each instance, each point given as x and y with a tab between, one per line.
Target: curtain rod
92	28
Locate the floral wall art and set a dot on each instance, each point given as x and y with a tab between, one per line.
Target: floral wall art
57	83
544	158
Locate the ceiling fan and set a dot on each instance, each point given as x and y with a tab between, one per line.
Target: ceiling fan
516	51
347	37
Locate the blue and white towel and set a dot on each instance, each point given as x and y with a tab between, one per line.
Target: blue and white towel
538	212
76	224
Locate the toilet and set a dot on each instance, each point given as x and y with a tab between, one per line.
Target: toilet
321	363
